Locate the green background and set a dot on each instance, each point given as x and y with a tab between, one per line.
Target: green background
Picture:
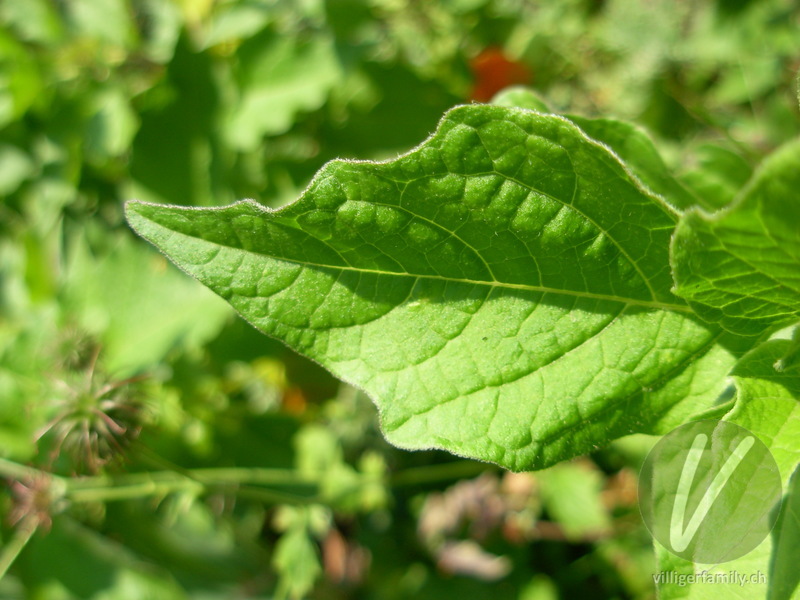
202	103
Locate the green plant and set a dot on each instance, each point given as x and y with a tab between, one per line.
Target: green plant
154	445
524	287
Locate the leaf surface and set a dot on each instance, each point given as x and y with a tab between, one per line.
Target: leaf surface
741	266
629	142
636	148
767	405
501	292
784	575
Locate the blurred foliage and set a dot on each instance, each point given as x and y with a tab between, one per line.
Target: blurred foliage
172	451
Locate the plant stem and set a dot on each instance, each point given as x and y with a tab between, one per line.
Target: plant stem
22	535
252	482
13	470
160	483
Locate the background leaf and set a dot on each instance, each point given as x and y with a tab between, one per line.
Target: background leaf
114	297
640	155
740	266
279	76
718	175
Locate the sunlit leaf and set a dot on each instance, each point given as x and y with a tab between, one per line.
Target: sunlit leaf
502	291
741	266
766	406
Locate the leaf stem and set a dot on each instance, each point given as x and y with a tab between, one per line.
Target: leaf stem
13	470
255	483
22	535
160	483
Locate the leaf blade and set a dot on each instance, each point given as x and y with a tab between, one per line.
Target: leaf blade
766	405
502	291
741	266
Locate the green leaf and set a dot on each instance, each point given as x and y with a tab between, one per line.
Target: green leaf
15	167
640	155
20	80
502	291
295	559
235	22
113	124
767	405
520	97
319	455
784	574
279	77
110	21
541	587
768	402
741	266
163	29
34	20
718	176
138	306
571	493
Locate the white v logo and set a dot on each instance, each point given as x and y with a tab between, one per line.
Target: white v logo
681	538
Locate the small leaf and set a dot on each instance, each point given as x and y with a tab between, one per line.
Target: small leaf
520	97
279	77
767	405
501	292
571	493
741	266
112	126
108	20
295	559
137	305
33	21
718	175
15	167
784	575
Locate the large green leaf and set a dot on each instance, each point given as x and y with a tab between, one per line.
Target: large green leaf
741	266
502	291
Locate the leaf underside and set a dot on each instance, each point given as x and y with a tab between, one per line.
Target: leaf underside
502	291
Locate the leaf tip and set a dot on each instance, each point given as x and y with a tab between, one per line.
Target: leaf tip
138	213
133	209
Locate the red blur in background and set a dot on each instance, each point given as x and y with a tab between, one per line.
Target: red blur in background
493	71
